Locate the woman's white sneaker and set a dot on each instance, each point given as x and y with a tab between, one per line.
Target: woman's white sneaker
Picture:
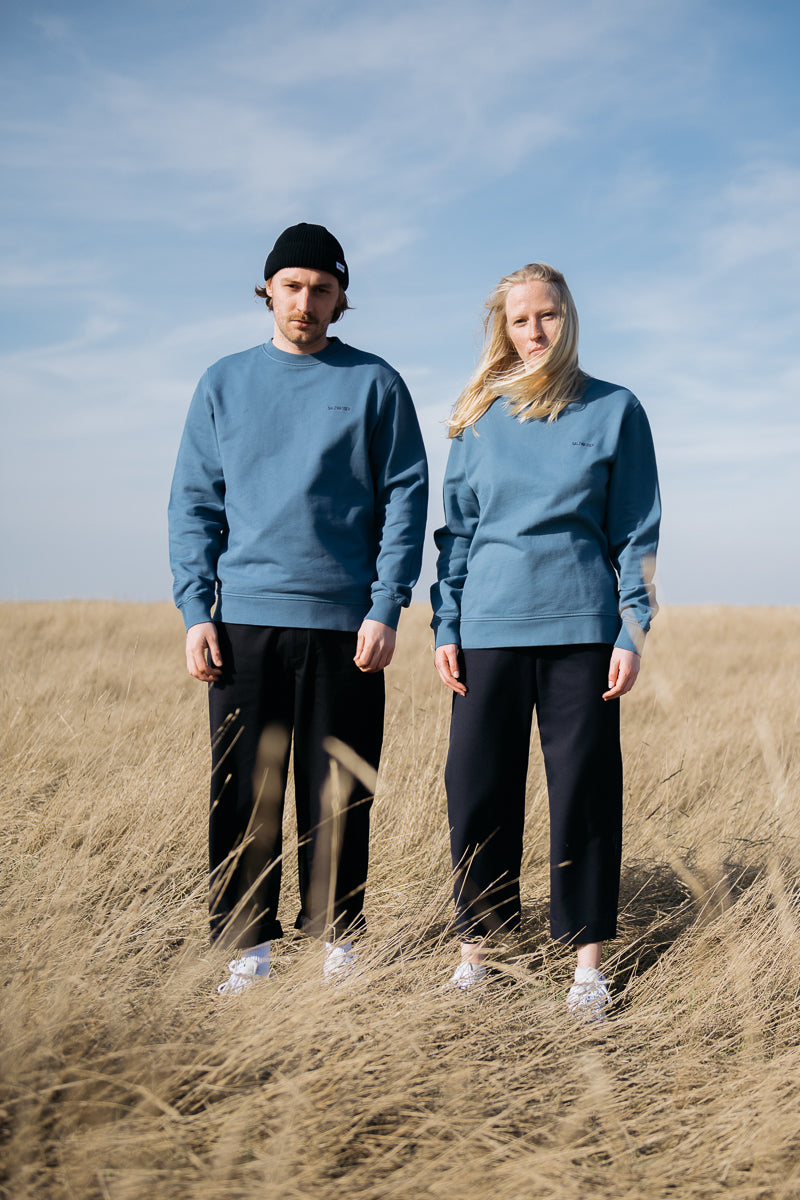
340	960
467	975
589	997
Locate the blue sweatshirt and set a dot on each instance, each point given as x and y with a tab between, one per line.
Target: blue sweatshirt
551	527
300	492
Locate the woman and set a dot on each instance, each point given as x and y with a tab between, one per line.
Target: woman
543	601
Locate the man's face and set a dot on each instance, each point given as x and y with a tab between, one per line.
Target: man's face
303	304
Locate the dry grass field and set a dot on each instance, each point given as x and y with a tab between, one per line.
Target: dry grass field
124	1077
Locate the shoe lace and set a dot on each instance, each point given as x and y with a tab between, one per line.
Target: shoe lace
244	967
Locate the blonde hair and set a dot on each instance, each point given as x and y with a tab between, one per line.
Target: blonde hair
532	392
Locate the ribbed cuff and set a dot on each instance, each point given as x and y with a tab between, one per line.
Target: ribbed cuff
448	633
630	637
385	610
195	612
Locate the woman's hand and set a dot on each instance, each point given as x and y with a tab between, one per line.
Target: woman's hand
446	662
622	672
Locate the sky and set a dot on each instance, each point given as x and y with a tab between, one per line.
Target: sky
151	152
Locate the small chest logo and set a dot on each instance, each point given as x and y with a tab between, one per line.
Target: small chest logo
583	443
338	408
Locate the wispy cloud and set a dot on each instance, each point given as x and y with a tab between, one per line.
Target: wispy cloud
409	109
714	324
152	152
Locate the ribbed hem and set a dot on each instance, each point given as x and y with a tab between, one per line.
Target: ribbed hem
556	630
291	612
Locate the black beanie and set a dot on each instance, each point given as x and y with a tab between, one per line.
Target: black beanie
309	246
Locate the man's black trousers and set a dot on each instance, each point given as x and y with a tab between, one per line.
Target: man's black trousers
279	682
486	775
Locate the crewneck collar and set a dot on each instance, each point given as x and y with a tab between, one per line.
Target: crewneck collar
301	360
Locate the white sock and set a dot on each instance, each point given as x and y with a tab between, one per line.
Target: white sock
586	974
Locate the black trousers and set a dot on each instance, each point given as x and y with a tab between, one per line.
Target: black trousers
486	775
279	682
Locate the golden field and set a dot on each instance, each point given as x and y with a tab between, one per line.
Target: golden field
124	1077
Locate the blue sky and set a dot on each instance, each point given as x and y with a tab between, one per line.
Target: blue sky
152	151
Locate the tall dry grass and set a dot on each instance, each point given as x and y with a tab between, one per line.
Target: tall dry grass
123	1076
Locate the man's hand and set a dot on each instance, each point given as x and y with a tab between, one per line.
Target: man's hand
375	646
446	663
202	643
622	672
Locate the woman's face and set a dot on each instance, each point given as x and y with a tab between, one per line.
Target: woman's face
533	317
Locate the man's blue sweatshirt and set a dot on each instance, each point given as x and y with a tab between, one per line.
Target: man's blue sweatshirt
300	492
551	527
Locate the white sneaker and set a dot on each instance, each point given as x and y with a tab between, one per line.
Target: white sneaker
340	961
589	997
467	975
244	972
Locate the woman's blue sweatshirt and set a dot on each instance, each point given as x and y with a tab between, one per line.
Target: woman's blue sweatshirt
300	492
551	527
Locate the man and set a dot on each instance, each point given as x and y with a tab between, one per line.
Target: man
297	515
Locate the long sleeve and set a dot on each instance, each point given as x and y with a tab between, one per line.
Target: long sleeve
453	541
400	475
632	521
197	523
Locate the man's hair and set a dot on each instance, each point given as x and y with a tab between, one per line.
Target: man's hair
342	304
532	391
